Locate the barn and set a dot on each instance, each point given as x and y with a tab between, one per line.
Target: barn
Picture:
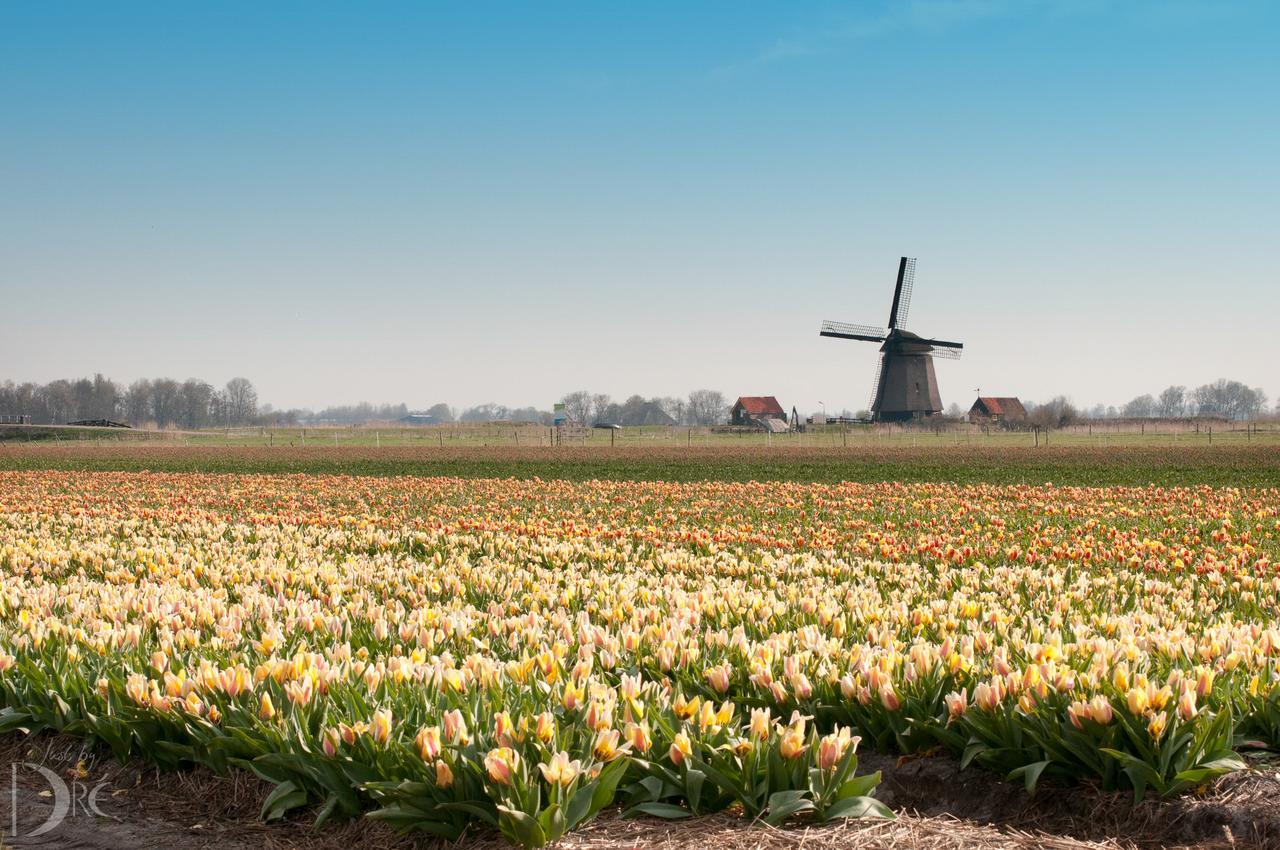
988	410
756	410
649	413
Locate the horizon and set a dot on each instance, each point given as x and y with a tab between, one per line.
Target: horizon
423	205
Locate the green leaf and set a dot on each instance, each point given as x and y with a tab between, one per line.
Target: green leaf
693	787
1030	774
784	804
859	786
666	811
858	807
282	798
520	828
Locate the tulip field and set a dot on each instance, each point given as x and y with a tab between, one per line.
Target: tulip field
449	654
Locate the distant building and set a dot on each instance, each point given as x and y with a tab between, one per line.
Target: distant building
419	419
15	419
988	410
648	413
757	410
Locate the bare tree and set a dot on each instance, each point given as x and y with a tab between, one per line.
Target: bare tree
1141	407
578	405
1231	399
676	408
1172	402
599	404
1055	413
707	407
137	402
166	401
241	401
196	395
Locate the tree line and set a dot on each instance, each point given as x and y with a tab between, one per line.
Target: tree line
700	407
195	403
1223	398
162	402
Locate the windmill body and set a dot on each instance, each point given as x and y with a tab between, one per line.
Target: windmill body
906	386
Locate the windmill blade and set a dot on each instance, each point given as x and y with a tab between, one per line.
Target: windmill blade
875	385
902	293
940	343
844	330
946	353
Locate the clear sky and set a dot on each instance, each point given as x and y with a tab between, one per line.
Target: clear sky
408	201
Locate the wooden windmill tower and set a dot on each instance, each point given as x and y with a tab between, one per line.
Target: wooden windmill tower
905	384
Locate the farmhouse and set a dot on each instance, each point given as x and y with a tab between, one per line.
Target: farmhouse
757	410
988	410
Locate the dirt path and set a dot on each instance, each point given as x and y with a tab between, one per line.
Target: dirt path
109	806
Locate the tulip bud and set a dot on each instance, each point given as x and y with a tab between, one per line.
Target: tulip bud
380	726
1157	724
502	764
428	743
329	742
639	738
681	748
444	774
1187	704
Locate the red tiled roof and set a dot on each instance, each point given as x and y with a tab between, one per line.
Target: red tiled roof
1002	406
759	405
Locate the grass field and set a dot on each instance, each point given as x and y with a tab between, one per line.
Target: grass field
1239	464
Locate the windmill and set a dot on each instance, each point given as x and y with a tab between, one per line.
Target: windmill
905	385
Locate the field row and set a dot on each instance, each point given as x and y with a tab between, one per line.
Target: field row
1249	464
442	652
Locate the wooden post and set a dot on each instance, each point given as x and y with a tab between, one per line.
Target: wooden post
612	434
377	440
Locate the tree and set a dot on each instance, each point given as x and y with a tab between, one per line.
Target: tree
1231	399
1055	413
196	395
707	407
166	401
137	402
105	403
1141	407
676	408
1257	403
1172	402
241	401
489	412
599	404
578	405
442	412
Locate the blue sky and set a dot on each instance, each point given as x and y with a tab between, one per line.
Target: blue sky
486	201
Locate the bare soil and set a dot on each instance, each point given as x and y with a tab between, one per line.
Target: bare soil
938	805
